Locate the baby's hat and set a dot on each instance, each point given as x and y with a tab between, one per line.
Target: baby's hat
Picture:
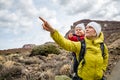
81	25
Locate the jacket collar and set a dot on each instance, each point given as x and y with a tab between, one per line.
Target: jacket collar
99	39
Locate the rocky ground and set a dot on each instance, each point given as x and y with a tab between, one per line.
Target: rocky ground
19	64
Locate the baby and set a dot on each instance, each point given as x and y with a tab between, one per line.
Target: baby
78	36
79	33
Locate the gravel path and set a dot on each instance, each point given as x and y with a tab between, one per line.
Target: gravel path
115	75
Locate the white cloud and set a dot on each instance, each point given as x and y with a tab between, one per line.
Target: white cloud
104	10
101	9
73	7
5	4
62	2
15	19
49	15
19	18
7	16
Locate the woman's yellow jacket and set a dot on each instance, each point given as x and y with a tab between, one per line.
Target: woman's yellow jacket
95	64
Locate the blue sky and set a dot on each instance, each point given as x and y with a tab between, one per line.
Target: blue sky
19	23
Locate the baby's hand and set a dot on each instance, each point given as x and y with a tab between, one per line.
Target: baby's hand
70	35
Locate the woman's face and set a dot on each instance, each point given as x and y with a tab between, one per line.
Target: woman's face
90	32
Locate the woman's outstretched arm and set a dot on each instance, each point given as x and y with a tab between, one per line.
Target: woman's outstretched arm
59	39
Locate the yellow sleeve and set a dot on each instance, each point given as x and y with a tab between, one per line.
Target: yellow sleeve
65	43
106	55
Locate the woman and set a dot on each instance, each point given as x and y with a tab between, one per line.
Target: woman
95	64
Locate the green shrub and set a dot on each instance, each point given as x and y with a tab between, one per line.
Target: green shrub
62	77
45	50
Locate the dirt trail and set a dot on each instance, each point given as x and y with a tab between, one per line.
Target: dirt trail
115	75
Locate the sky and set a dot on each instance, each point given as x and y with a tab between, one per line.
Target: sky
19	22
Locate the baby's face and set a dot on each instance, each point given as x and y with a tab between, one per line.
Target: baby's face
79	31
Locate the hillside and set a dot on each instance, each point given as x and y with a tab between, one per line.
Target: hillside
51	62
17	64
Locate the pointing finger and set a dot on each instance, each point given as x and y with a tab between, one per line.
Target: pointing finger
42	19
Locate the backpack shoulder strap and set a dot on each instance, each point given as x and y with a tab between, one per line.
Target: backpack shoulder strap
102	49
82	51
81	56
